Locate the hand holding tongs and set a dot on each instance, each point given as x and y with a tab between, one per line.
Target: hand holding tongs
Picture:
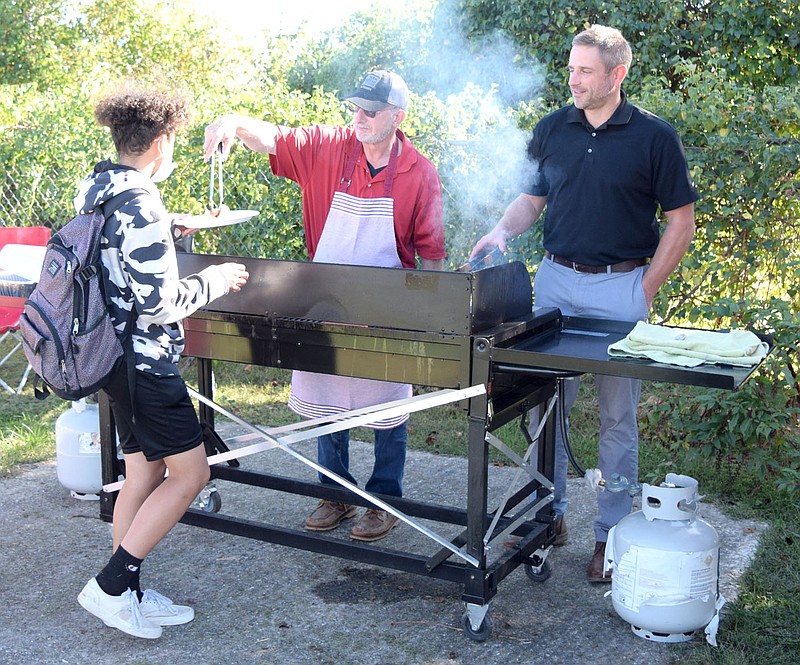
216	165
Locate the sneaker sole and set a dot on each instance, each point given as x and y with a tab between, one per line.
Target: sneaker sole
90	606
169	621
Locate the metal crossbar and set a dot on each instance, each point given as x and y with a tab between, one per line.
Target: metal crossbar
378	412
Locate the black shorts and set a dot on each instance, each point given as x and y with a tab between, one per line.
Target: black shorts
166	422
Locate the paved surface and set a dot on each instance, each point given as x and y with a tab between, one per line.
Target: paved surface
264	604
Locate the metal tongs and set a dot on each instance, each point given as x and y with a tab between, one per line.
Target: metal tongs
216	165
481	261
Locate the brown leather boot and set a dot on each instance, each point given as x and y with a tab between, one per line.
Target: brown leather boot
373	525
562	537
594	573
328	515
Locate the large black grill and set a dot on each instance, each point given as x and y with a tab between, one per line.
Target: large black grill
435	329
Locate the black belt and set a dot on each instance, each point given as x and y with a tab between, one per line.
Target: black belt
622	266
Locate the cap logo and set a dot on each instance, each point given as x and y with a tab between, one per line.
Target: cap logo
371	81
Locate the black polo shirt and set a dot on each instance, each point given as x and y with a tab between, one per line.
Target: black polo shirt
604	185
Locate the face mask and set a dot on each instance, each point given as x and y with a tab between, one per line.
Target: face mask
164	171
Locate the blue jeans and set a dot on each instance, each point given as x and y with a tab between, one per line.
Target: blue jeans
333	452
616	296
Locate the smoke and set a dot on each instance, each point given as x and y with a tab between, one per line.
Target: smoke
471	93
483	82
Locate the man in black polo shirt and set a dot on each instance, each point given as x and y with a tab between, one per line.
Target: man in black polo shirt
604	168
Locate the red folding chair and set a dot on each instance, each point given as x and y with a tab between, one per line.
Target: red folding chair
13	291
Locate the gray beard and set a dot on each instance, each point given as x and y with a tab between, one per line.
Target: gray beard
377	138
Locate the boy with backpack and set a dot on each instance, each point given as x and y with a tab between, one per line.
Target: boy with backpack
157	426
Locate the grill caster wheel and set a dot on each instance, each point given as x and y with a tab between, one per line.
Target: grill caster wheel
544	572
480	635
213	504
209	500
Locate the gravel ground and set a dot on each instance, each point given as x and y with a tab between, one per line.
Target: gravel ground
259	603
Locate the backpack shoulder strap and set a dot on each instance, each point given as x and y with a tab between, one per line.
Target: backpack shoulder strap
113	204
108	208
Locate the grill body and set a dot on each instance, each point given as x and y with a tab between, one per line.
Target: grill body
434	329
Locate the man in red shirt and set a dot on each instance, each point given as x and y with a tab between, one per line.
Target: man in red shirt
369	198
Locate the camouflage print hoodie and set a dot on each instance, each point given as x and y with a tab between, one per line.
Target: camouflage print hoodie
141	270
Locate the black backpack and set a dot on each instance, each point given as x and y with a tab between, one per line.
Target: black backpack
68	335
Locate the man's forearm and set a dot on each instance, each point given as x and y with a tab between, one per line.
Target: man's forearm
258	135
671	248
520	215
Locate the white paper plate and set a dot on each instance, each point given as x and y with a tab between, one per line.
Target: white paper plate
225	219
23	260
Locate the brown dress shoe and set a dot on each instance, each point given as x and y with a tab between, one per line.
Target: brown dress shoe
562	537
373	525
328	515
594	573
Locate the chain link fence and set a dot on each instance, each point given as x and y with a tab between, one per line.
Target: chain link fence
30	197
35	198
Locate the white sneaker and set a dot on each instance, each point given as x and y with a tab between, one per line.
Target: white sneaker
161	610
120	612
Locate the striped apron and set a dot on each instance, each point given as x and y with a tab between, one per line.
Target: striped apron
356	232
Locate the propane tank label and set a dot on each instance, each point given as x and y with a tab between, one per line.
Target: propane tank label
644	575
89	443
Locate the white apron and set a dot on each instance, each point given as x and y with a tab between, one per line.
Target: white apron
356	232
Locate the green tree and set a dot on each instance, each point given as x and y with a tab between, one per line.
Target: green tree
53	139
33	33
755	43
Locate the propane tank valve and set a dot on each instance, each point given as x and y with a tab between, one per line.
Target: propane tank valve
617	483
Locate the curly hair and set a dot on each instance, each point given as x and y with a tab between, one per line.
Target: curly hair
136	115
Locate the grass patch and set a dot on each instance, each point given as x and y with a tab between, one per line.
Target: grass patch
763	625
29	440
27	425
25	438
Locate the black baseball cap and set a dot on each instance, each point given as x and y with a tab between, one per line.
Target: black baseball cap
380	89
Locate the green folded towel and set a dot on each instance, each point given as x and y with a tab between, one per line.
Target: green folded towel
689	348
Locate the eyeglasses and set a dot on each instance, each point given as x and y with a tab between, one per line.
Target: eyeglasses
352	108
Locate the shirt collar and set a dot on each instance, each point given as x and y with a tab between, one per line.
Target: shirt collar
621	115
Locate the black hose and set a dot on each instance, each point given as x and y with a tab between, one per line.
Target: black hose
562	413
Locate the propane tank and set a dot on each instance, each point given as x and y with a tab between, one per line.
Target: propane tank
665	563
78	450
